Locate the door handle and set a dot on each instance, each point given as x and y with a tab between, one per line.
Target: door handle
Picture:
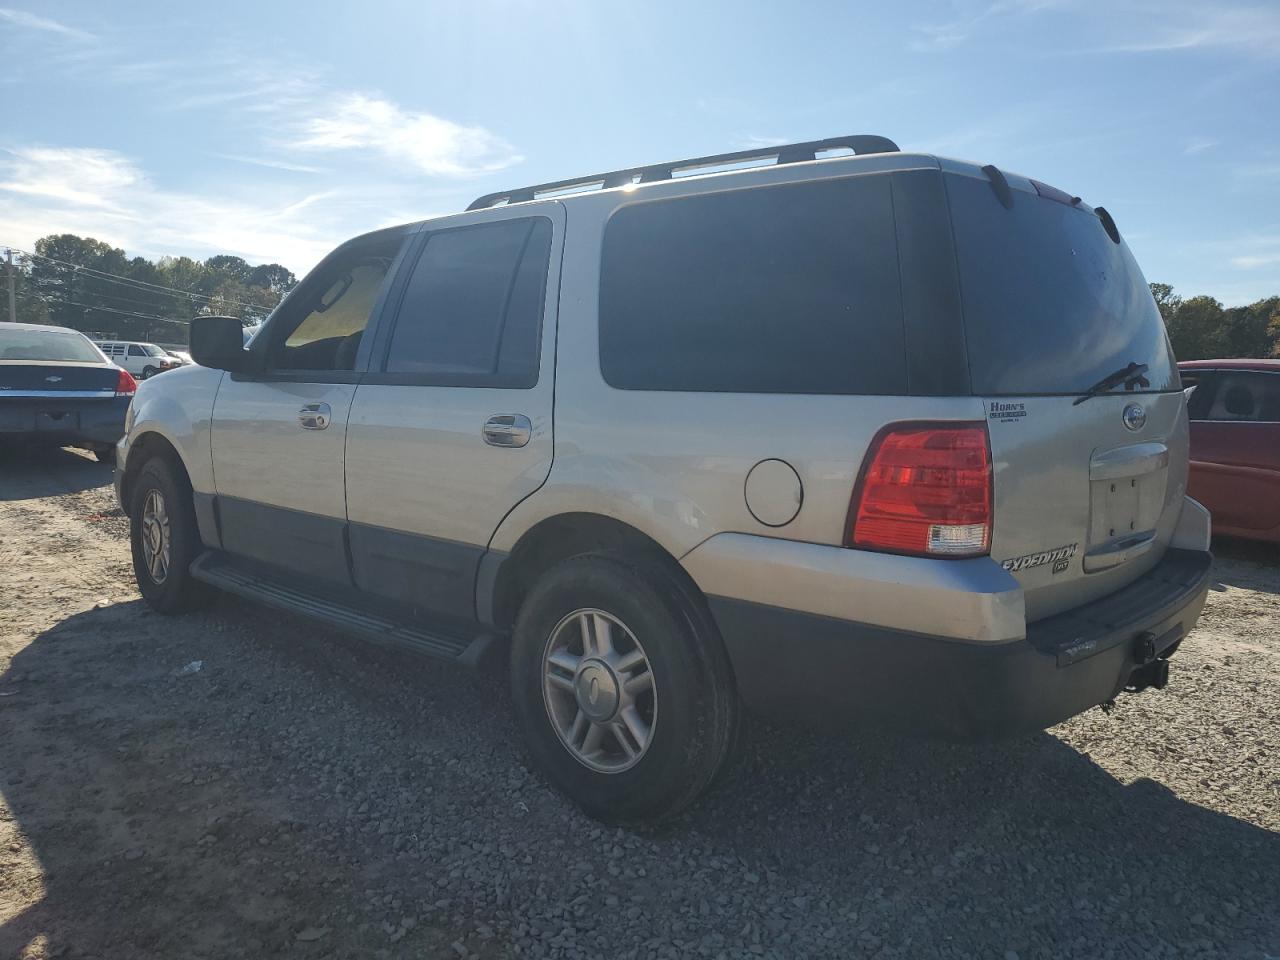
315	416
507	430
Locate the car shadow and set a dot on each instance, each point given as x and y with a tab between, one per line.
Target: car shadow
33	472
155	838
1250	564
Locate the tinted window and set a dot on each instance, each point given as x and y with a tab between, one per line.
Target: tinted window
1238	395
1051	304
784	289
136	351
327	315
47	345
473	307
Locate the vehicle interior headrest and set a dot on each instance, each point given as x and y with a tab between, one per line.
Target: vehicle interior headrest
1239	401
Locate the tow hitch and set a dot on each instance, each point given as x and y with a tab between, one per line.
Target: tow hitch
1152	668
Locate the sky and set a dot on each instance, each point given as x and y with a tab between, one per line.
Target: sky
276	130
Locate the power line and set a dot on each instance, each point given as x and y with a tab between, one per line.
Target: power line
129	281
91	306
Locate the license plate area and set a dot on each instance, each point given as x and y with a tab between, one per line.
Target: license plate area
1126	497
1125	506
56	420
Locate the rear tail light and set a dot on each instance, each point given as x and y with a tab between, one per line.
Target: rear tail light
925	490
126	386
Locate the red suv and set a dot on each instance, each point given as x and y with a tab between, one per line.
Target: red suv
1234	407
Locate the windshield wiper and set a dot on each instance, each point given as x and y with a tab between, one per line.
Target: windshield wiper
1131	376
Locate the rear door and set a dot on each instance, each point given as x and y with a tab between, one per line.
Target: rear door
1086	490
1235	449
452	426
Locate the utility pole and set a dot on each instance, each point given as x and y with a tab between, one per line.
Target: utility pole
13	303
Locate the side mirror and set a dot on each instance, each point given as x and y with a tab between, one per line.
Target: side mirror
218	342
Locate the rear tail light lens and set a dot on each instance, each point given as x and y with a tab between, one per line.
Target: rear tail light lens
926	490
126	386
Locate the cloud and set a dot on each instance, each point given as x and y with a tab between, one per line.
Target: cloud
1174	27
1199	145
31	21
99	175
430	144
270	163
1253	260
1263	250
937	37
103	194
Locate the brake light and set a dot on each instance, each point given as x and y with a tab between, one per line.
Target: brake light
926	490
126	386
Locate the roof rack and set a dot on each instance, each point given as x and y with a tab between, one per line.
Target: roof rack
784	153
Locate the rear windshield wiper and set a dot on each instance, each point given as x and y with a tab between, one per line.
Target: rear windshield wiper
1131	376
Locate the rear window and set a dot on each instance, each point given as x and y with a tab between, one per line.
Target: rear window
1051	304
47	345
781	289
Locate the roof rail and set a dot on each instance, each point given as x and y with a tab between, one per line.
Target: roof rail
784	153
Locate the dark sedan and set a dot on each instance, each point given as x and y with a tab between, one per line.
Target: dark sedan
57	389
1234	407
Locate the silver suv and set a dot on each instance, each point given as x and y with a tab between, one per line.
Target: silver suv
854	433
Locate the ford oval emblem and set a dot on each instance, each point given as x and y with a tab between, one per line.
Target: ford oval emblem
1134	417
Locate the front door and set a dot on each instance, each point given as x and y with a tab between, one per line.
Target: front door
279	435
452	427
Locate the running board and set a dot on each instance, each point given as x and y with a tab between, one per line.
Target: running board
218	570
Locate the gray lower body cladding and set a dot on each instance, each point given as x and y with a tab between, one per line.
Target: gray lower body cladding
792	664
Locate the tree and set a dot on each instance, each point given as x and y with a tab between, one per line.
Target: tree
1196	329
1245	329
1273	331
279	280
1166	300
92	286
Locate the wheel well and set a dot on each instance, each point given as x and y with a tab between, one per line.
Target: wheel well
560	538
144	448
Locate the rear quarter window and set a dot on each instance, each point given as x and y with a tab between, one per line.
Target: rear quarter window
781	289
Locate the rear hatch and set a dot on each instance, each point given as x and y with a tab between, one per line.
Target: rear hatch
1086	491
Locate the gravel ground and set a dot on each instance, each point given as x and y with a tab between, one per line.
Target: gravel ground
308	795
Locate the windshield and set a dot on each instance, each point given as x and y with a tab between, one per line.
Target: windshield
1051	304
53	345
152	350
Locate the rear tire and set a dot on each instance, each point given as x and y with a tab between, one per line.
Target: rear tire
657	751
164	539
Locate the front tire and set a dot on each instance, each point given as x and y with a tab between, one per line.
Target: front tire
148	372
164	539
622	686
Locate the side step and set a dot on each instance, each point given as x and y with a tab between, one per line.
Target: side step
218	570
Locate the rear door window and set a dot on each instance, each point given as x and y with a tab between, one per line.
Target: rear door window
1051	305
779	289
1241	396
472	310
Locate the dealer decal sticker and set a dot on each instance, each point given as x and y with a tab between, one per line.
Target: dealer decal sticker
1003	412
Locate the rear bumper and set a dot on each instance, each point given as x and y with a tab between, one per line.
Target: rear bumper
51	421
793	664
